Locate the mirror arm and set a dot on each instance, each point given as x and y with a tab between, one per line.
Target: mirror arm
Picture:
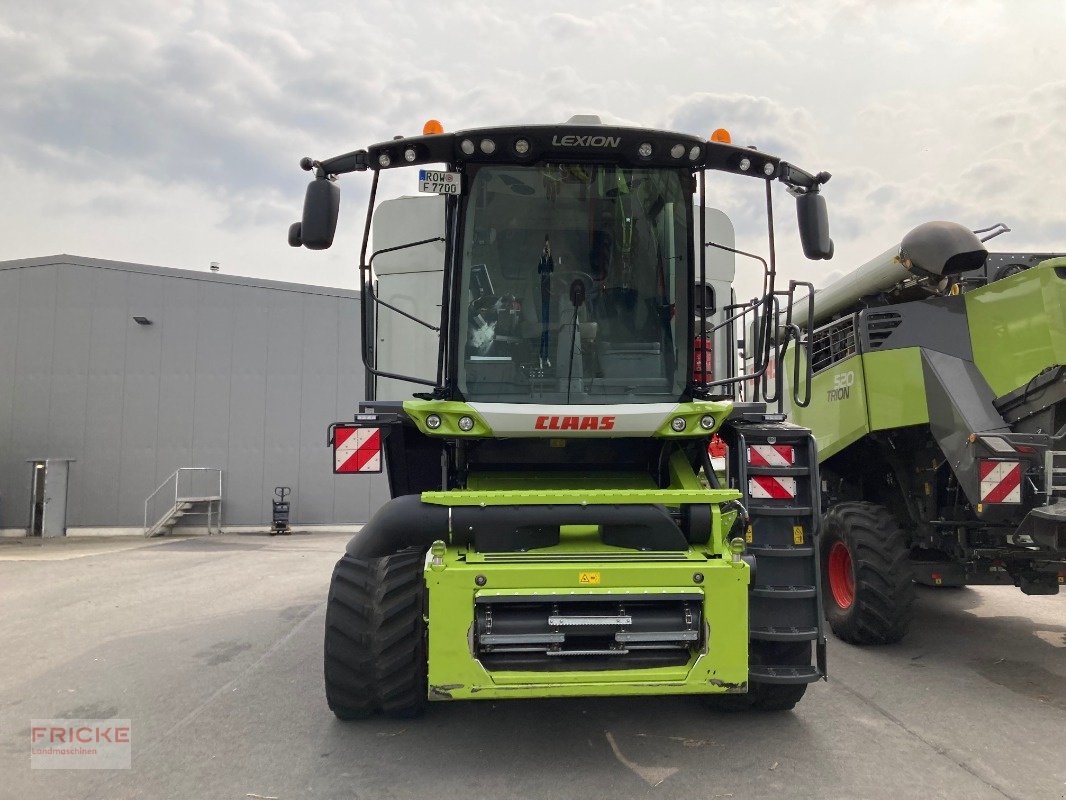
799	181
354	161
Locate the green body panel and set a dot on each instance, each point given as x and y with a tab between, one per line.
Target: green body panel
895	388
692	413
455	673
877	391
839	421
1018	325
449	412
535	497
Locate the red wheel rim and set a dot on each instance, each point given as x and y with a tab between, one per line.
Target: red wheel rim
841	575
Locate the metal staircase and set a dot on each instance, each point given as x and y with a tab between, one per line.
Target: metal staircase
189	491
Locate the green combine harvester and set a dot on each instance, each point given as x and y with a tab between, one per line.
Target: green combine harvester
939	406
556	527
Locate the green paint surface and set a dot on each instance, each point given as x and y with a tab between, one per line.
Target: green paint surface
532	497
837	414
1018	325
722	666
449	411
880	390
692	413
454	672
895	388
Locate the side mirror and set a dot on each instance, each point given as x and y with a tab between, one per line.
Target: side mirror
814	225
322	203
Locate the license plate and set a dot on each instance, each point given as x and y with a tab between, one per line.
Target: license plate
435	182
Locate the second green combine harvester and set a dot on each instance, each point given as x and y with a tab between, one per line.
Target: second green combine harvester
549	532
939	405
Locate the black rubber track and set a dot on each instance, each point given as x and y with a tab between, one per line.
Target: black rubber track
768	696
375	658
884	585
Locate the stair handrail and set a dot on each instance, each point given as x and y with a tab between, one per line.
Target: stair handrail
178	495
172	477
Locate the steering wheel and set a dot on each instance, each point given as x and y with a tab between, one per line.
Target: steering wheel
566	278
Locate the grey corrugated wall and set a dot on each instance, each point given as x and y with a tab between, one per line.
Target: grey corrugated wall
233	373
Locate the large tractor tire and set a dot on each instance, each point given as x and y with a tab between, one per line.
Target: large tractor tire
768	696
868	591
375	651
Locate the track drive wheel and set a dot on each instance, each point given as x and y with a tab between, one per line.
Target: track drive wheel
375	654
868	590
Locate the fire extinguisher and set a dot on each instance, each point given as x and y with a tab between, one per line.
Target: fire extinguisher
703	360
717	448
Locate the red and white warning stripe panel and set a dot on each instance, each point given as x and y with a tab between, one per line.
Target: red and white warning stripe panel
1001	481
771	487
356	449
771	455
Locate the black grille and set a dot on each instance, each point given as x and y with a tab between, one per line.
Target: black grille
832	343
580	633
879	326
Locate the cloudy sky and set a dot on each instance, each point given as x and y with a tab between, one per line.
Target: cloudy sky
168	132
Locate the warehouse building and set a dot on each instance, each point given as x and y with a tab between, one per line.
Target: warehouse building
115	376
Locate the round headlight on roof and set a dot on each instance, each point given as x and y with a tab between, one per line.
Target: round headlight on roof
521	146
745	164
467	147
488	147
410	154
384	159
645	150
768	168
677	150
694	153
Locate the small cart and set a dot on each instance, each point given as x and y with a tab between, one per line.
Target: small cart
280	518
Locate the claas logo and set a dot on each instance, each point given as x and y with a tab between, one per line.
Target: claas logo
574	423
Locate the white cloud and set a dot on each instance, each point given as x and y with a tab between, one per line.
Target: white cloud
170	132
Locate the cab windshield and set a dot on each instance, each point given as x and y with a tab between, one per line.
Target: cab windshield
574	284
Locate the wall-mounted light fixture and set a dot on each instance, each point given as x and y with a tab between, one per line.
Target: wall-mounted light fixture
142	320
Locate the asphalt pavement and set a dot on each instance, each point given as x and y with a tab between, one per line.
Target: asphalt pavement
212	647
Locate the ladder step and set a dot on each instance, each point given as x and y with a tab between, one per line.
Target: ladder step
760	510
778	634
798	673
781	552
784	592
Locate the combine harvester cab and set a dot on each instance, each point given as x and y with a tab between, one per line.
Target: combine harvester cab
566	329
939	405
